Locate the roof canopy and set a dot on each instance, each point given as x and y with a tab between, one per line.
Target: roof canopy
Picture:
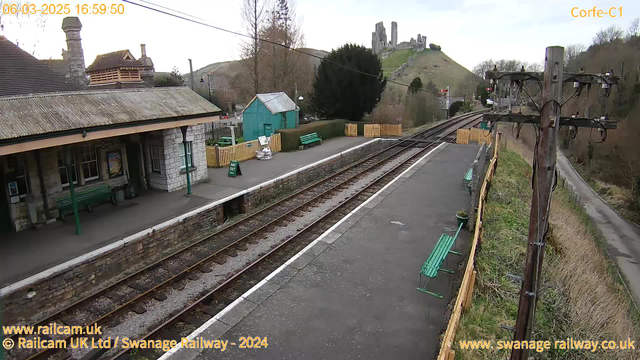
114	60
30	115
276	102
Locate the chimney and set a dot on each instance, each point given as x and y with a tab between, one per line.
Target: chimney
148	71
72	26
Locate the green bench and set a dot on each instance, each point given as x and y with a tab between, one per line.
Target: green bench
85	199
433	264
466	181
310	139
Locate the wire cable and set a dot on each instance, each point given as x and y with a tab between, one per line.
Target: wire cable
251	37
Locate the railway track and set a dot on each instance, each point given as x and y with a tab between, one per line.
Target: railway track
105	307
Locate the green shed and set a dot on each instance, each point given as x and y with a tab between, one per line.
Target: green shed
267	113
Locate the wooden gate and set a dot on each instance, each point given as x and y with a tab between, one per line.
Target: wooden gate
351	130
372	130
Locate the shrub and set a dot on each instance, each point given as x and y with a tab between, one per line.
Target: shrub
433	46
325	129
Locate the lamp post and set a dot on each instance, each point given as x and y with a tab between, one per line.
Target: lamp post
208	82
297	110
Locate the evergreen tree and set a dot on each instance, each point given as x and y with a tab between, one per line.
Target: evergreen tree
343	93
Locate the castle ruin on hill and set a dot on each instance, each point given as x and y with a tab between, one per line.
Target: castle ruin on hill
379	40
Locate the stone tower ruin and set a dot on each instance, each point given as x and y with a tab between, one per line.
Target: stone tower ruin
378	38
394	33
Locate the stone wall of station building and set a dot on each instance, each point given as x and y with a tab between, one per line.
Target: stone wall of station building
175	175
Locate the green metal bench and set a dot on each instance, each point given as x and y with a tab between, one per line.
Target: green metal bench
433	264
310	139
85	199
225	141
466	181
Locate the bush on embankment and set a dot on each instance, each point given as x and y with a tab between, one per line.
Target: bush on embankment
582	297
326	129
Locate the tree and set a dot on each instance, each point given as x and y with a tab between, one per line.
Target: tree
634	28
344	93
415	86
173	79
252	17
482	68
610	34
431	88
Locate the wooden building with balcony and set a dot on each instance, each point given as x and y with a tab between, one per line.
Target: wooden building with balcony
120	70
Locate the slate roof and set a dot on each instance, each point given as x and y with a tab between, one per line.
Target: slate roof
277	102
30	115
113	60
21	73
58	65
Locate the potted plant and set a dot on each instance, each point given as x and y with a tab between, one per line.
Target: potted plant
462	217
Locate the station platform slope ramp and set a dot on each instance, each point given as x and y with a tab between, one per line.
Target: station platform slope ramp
57	243
353	293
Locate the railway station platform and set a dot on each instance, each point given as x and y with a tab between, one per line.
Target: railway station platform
30	252
352	292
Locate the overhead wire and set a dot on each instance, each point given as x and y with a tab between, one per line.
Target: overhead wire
252	37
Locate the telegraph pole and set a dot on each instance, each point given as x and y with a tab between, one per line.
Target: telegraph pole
544	176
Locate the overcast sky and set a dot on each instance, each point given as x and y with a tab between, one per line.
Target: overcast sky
469	31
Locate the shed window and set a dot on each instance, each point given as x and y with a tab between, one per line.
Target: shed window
156	157
189	155
89	160
62	169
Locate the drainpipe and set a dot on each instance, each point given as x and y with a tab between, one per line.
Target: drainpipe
43	189
186	157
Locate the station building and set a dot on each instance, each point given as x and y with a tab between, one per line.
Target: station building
267	113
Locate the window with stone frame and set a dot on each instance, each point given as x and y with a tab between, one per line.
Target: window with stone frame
89	162
156	157
189	155
62	169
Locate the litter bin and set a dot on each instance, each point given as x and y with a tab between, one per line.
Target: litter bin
119	196
33	209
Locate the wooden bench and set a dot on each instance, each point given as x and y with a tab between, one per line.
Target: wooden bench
310	139
433	264
466	180
85	199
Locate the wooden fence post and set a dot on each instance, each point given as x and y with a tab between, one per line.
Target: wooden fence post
217	154
469	296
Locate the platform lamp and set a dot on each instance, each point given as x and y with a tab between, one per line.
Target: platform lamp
208	82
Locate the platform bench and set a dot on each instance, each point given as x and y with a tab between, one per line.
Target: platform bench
433	264
85	199
466	180
310	139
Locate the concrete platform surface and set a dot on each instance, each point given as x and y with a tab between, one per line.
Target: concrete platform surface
31	251
352	294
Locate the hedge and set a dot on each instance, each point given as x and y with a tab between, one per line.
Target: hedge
326	129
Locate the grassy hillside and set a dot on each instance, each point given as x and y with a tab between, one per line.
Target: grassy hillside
429	65
395	60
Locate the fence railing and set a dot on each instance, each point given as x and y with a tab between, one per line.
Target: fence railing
222	156
465	293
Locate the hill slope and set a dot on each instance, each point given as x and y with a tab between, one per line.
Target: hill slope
428	65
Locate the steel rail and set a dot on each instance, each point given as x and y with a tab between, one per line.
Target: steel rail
227	282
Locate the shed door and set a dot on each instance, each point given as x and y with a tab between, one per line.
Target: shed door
268	129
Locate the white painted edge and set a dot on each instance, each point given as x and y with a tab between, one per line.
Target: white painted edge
275	272
143	233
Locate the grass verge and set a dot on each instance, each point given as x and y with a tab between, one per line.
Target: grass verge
582	298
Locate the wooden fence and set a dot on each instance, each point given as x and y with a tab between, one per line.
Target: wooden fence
377	130
372	130
239	152
463	136
464	298
350	130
